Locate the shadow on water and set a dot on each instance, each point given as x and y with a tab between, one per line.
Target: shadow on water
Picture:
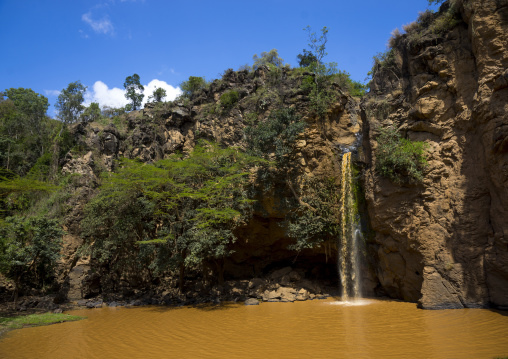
499	311
206	307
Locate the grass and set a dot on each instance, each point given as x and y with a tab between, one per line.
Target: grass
35	320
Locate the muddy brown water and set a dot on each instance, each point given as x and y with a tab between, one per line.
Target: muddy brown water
312	329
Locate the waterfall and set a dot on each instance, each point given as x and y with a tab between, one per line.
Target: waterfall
350	235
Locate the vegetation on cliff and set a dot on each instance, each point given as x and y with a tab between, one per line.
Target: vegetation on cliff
398	158
151	199
175	214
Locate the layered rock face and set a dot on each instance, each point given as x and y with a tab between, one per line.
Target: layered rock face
163	129
444	242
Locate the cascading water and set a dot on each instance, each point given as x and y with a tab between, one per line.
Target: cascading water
350	235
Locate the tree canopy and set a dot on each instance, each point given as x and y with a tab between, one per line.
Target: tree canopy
193	84
70	102
29	249
271	57
179	213
159	94
306	58
317	44
24	129
134	90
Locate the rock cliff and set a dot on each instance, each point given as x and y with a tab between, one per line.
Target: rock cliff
444	242
162	129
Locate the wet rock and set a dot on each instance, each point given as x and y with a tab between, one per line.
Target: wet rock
251	301
302	295
94	304
287	294
282	294
309	286
278	274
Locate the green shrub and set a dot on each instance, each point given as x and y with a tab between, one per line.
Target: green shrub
173	214
444	22
311	228
29	249
267	58
193	84
429	22
382	60
277	136
400	159
355	88
229	99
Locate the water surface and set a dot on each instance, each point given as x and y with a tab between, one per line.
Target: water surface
312	329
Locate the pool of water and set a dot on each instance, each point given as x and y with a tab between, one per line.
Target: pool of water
311	329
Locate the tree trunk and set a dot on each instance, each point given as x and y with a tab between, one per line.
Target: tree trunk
53	170
220	270
8	155
181	277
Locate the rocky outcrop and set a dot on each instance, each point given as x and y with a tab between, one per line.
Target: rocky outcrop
444	242
160	130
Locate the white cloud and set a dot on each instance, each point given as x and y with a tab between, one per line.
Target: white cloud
103	25
171	92
115	97
52	92
105	96
83	34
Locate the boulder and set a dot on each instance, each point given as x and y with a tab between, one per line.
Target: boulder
279	273
281	294
302	294
251	301
270	296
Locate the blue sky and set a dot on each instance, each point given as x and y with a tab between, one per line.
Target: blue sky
48	44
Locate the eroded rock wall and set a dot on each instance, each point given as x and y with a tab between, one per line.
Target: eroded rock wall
444	242
161	130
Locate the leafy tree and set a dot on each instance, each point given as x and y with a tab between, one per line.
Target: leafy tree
31	105
29	250
277	135
311	228
24	129
19	193
112	112
134	90
271	57
92	112
158	94
315	219
70	102
177	214
358	89
193	84
11	131
318	44
306	59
